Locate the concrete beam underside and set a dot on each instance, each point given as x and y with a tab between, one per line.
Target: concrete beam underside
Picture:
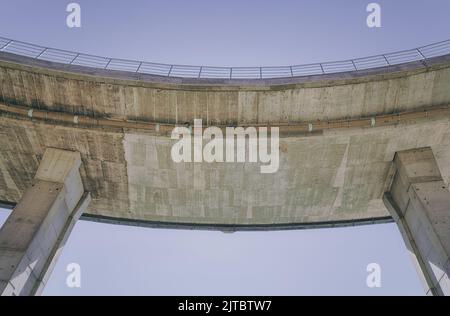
419	202
33	236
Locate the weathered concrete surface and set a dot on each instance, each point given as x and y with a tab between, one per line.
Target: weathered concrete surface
33	236
119	95
331	175
419	200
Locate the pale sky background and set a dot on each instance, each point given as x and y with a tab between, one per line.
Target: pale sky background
142	261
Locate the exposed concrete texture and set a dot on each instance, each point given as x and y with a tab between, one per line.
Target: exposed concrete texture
35	233
337	176
333	175
97	93
419	201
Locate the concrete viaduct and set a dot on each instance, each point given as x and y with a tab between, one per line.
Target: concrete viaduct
356	147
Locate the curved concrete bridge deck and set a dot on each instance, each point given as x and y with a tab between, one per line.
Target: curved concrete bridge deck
339	135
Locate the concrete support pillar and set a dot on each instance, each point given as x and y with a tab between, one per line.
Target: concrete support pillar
34	234
419	201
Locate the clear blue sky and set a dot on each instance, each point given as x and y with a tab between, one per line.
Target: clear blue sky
130	260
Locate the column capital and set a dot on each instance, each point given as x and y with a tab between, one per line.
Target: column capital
57	164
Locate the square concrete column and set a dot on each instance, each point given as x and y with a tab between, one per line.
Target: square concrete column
419	201
34	234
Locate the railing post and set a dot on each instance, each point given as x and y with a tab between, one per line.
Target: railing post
321	67
260	72
200	72
420	53
231	73
424	59
6	45
170	70
107	64
139	67
387	61
40	54
71	62
354	65
292	73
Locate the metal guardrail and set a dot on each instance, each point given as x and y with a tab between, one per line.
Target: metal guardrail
185	71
